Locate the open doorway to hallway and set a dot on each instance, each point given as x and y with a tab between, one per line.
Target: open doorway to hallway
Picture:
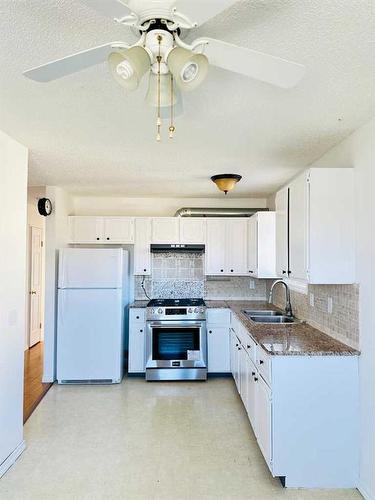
34	388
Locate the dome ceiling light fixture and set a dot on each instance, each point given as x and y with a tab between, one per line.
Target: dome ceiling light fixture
172	64
226	182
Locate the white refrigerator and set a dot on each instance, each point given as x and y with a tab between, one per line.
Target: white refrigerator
90	325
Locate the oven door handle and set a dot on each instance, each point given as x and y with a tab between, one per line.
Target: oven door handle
170	324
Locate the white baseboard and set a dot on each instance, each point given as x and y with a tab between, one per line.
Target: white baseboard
365	492
9	461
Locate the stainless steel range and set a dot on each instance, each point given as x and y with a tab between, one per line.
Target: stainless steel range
176	340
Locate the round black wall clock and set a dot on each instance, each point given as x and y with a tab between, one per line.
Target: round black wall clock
45	206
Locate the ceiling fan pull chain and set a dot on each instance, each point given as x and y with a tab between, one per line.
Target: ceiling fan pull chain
172	128
158	120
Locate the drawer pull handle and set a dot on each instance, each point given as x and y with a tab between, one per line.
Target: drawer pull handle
209	331
141	331
248	346
144	270
98	239
261	361
137	317
221	270
255	379
107	238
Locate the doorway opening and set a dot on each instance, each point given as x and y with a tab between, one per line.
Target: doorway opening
34	388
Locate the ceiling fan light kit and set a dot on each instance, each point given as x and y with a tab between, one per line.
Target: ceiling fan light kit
128	66
162	52
226	182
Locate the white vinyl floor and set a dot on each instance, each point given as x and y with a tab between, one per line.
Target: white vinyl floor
138	440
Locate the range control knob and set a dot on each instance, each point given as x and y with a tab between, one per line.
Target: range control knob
190	310
196	310
201	310
152	311
160	310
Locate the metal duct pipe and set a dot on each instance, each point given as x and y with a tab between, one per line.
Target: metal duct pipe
218	212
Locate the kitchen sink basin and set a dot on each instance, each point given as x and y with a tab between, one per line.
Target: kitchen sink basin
273	319
265	312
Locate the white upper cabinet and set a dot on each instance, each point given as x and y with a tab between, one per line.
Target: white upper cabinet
118	229
236	239
142	240
216	247
226	247
261	246
165	230
321	235
86	229
298	200
192	230
101	229
281	203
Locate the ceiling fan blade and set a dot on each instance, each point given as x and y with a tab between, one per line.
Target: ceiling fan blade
201	11
257	65
73	63
110	8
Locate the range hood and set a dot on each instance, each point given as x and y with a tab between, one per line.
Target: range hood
177	247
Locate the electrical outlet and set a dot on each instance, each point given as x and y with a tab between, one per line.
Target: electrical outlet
252	285
311	299
329	305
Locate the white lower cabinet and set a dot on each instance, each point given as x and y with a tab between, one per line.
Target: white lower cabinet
263	413
218	340
303	411
137	341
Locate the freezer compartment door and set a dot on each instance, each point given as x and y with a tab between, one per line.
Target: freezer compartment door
89	335
90	268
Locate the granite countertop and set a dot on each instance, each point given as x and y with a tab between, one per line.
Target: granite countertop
298	339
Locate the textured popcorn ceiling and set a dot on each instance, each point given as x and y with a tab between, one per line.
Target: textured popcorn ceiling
84	133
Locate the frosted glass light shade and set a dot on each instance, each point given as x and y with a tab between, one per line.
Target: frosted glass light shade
128	66
188	69
165	91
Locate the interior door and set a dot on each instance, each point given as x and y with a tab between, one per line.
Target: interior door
35	291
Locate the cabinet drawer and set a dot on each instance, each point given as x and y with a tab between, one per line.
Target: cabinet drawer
249	345
263	363
218	316
137	315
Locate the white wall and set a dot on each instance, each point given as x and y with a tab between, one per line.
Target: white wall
56	236
358	151
34	219
13	196
97	205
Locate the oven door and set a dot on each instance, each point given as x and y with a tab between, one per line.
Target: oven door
173	344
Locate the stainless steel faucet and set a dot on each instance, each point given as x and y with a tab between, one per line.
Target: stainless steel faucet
288	305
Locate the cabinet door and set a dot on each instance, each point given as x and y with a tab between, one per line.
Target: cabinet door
142	240
215	246
86	229
136	362
252	246
236	240
281	203
119	230
218	349
165	230
263	422
251	387
192	230
298	228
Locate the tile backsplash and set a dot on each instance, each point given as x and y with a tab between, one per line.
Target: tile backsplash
342	323
181	275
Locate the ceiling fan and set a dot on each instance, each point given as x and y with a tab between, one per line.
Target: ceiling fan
173	65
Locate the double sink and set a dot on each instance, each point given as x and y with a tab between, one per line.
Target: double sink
269	316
